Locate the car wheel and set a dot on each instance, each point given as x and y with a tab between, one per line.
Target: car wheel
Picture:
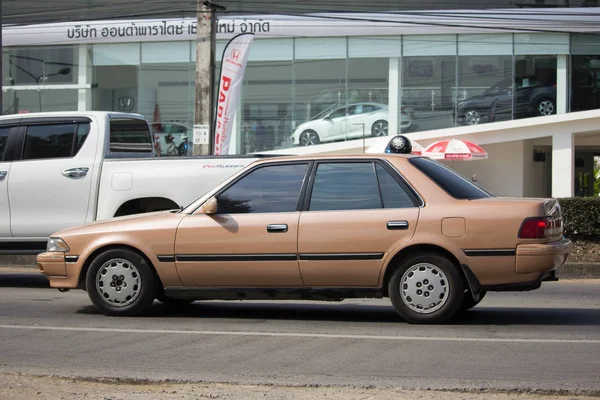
545	107
309	138
172	302
379	128
121	282
468	301
426	289
472	117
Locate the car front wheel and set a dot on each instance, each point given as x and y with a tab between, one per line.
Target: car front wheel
309	138
545	107
379	128
472	117
120	282
426	289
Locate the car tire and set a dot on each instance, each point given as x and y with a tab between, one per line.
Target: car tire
426	289
468	301
545	107
472	117
120	282
379	128
309	138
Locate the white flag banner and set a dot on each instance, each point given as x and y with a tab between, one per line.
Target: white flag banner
233	65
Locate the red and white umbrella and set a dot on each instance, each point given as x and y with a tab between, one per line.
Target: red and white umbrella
417	149
454	149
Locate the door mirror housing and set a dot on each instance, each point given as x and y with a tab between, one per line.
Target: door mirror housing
210	207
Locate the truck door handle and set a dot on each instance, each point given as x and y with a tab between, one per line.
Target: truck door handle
397	225
272	228
75	173
3	175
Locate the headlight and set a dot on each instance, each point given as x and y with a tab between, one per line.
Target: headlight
58	245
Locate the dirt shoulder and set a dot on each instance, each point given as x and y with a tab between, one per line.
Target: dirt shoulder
26	387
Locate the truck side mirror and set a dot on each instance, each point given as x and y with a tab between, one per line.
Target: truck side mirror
210	207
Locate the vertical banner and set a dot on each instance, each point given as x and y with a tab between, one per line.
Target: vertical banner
233	65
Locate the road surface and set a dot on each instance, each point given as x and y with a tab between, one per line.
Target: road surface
546	340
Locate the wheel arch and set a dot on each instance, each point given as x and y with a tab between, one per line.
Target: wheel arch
397	259
145	204
113	246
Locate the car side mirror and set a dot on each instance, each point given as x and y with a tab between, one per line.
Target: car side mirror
210	207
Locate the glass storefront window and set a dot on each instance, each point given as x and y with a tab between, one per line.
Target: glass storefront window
485	79
534	93
585	72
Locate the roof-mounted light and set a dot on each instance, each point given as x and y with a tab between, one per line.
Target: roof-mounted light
400	145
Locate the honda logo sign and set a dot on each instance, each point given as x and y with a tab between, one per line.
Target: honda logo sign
126	103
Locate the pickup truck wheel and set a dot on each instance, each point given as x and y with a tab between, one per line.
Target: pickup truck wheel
120	282
426	289
468	301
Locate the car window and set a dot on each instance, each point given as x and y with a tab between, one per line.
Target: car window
4	132
130	135
265	190
338	113
345	186
393	195
451	181
49	141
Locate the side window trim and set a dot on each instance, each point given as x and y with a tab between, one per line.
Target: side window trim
310	164
415	197
378	185
313	174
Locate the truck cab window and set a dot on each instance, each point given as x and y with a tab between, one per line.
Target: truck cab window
49	141
4	132
130	136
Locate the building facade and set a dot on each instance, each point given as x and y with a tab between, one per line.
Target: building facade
321	79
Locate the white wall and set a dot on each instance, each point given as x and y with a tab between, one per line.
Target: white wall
502	173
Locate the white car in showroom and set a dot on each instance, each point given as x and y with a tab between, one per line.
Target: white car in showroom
349	122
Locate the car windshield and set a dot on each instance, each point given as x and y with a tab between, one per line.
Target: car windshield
451	181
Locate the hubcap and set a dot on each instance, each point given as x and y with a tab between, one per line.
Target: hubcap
472	117
309	139
118	282
546	108
424	288
380	129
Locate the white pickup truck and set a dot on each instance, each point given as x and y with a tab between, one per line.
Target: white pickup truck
64	169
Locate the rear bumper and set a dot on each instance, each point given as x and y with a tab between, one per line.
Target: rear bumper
542	258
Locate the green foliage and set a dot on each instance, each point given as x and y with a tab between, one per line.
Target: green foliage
581	217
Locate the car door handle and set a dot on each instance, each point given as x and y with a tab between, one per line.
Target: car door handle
397	225
75	173
272	228
3	175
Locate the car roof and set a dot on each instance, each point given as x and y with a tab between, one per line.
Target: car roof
338	157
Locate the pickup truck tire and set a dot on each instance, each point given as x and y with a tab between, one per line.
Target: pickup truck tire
120	282
426	289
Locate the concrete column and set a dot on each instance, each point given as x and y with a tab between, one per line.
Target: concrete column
394	95
563	168
84	77
562	84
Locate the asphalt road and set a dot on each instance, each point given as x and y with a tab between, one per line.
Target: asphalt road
547	339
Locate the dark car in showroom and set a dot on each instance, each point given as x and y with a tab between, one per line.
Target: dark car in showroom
533	98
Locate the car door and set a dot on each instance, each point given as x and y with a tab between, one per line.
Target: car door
356	122
252	239
334	125
6	133
50	181
356	212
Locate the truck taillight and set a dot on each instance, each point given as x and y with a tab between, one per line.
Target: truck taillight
541	228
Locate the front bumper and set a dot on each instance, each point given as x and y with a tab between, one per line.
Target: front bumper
542	258
61	270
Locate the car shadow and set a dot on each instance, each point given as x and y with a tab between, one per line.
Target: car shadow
24	280
479	316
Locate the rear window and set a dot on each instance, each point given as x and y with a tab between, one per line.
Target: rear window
451	181
130	136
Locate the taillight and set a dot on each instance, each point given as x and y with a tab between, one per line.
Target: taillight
540	228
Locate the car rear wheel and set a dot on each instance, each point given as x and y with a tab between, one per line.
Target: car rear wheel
120	282
309	138
545	107
379	128
468	301
426	289
472	117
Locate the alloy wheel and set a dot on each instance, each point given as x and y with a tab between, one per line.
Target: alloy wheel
118	282
472	117
424	288
546	107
